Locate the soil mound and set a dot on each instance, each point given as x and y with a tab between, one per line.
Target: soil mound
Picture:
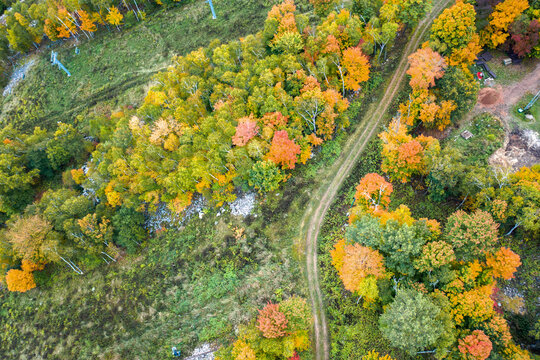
489	96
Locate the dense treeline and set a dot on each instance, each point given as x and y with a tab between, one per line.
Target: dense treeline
437	284
27	24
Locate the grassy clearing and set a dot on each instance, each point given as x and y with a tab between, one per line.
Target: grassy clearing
507	75
114	69
520	118
488	136
186	287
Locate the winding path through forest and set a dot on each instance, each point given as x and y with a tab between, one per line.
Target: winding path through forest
336	174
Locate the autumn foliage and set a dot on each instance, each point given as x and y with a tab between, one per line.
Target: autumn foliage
426	65
242	351
20	280
272	322
455	28
224	115
473	234
357	66
504	263
29	266
373	191
246	129
504	14
283	151
455	269
114	17
403	155
373	355
280	332
87	23
476	346
359	268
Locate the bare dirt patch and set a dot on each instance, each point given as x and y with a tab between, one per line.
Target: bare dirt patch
521	148
489	96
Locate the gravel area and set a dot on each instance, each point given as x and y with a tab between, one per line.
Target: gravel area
18	74
243	205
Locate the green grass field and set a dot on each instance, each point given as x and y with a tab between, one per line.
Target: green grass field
520	118
114	69
185	288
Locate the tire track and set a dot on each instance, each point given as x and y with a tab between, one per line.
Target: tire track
323	198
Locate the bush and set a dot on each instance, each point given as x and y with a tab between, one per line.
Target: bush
129	229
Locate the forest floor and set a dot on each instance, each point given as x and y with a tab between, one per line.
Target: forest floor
335	176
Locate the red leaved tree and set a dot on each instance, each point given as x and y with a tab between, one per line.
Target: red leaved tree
476	346
283	151
246	129
272	322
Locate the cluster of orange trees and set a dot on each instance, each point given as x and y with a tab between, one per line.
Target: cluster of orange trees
437	282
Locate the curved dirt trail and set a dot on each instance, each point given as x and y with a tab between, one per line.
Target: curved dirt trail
335	175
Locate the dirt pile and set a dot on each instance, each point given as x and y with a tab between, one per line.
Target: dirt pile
489	97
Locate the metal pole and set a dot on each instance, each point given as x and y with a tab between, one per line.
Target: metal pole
531	103
212	9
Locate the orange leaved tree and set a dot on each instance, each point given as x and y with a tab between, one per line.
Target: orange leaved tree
357	66
426	65
476	346
19	280
504	263
283	151
405	156
505	13
373	191
359	268
272	322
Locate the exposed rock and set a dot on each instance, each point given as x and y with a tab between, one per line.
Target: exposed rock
203	352
243	205
18	74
